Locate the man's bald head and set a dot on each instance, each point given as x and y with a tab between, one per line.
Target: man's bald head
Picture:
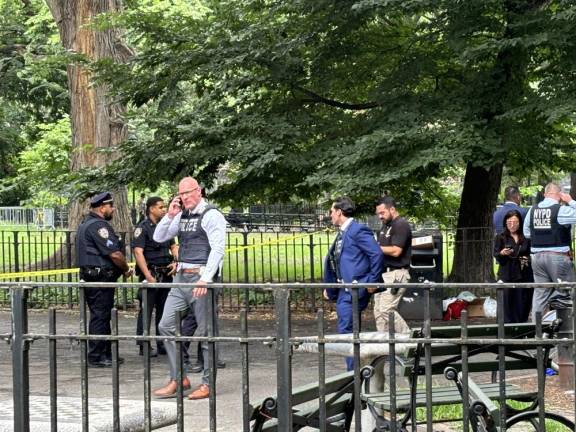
189	192
187	183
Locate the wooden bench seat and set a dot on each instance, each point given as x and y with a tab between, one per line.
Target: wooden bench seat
444	395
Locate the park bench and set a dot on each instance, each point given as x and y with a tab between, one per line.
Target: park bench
482	358
305	406
485	415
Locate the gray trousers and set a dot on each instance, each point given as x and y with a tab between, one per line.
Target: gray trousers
549	267
182	299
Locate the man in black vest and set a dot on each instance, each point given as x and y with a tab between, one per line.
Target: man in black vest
201	231
155	264
548	226
100	258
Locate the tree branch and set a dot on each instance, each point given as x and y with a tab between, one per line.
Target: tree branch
316	98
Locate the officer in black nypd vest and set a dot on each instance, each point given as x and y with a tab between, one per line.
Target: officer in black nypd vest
100	259
155	263
548	225
201	231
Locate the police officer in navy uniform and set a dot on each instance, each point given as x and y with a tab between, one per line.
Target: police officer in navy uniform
548	224
100	258
155	263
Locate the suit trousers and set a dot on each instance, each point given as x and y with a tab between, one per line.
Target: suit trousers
345	322
182	299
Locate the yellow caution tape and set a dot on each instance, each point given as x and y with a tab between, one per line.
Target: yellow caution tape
37	273
18	275
271	242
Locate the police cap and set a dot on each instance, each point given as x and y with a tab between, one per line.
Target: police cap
101	199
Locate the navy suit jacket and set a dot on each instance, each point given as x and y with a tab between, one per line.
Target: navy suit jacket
361	260
498	216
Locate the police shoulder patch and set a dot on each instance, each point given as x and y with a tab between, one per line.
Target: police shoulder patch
137	232
103	232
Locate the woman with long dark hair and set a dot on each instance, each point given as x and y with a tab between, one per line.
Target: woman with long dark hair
512	252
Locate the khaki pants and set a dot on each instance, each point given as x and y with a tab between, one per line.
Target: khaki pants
386	302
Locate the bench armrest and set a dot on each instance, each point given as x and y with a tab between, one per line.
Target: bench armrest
482	410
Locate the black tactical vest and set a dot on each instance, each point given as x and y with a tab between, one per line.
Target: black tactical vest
87	255
545	230
194	247
154	252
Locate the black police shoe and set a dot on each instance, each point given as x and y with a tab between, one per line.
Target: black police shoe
120	360
196	368
104	363
153	352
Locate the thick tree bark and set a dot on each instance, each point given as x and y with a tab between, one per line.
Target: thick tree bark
474	235
96	119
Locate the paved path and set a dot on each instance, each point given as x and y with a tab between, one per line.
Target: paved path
229	402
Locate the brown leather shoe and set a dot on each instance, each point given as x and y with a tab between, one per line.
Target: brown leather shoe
169	390
202	392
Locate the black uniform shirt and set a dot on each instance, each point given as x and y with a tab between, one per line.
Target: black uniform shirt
397	233
154	252
102	236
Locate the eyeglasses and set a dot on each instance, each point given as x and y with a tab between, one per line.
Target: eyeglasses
188	192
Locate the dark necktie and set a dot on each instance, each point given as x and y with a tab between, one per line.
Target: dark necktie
338	246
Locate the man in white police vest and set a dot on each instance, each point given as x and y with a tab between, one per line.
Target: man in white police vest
548	226
201	231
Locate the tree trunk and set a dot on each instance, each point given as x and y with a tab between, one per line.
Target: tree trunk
573	185
96	119
475	233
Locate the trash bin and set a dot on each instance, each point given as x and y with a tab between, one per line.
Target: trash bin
425	265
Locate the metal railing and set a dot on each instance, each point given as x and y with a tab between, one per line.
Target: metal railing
280	337
23	216
252	256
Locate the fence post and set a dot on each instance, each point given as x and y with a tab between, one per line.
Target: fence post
69	247
245	255
20	370
16	252
312	271
283	359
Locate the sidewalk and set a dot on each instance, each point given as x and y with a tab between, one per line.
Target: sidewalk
229	392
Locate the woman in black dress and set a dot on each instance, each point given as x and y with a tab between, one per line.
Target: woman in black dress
512	252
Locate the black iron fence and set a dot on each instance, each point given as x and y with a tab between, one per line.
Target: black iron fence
341	401
266	253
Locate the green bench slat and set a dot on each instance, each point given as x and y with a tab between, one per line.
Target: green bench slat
332	409
489	330
446	395
309	392
473	366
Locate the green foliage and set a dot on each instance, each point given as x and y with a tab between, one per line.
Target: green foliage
278	100
33	89
43	166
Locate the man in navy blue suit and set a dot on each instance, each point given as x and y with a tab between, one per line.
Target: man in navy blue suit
512	197
353	257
